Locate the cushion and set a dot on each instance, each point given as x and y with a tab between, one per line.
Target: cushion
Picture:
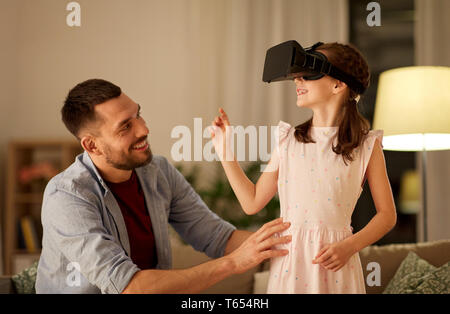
437	282
25	280
415	275
390	256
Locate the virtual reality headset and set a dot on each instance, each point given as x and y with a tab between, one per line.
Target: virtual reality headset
289	60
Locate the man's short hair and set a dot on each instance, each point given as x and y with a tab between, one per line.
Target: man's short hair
79	105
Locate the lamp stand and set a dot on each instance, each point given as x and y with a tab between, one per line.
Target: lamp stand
424	195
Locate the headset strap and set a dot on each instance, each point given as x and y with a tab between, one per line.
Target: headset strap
318	62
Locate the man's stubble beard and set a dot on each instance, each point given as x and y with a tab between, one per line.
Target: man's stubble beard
128	164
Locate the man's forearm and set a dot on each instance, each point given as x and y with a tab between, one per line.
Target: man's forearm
244	251
191	280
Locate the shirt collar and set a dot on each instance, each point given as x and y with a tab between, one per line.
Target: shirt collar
148	172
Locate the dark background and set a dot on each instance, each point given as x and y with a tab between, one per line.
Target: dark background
388	46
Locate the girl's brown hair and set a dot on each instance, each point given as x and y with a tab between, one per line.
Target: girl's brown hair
352	126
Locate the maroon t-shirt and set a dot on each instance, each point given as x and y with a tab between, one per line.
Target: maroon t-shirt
131	200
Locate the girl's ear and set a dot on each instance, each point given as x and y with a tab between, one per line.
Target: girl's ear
339	87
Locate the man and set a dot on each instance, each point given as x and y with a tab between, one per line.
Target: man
105	218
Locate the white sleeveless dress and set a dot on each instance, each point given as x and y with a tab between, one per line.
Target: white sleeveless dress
318	194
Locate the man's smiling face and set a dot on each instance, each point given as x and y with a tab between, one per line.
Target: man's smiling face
123	134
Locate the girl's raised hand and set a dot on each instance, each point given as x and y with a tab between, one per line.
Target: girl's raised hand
221	134
221	121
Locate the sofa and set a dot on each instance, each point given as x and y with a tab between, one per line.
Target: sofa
389	258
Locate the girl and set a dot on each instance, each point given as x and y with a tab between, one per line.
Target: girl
319	169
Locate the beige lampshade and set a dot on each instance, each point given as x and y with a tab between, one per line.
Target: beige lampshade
413	108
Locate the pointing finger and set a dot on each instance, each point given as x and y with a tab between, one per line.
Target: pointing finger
224	116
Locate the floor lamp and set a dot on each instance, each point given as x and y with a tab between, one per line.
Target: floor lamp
413	109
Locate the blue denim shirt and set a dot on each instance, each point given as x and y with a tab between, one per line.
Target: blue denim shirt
85	245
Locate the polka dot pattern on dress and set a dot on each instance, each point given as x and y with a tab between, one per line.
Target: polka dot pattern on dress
317	192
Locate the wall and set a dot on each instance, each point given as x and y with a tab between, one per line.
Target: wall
179	59
8	86
433	48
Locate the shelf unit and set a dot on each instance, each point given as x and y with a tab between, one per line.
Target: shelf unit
25	199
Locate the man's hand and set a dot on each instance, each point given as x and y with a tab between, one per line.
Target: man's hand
258	246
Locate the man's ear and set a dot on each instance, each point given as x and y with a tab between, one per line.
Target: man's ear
339	87
90	145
